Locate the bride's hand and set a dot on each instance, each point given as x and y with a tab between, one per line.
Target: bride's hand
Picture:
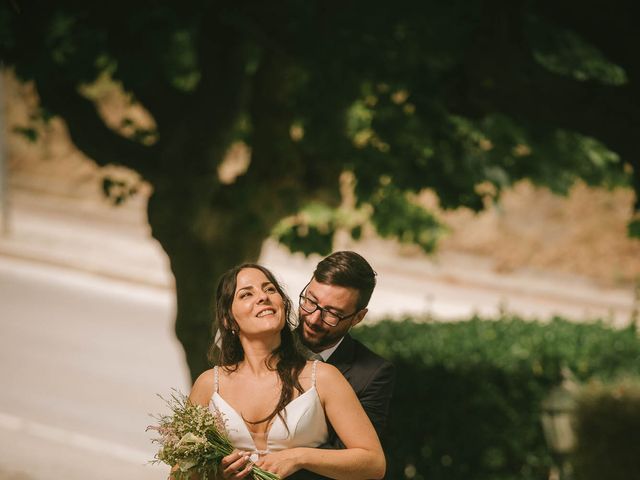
236	465
283	463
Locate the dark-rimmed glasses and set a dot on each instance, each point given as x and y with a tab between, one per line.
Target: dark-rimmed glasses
327	316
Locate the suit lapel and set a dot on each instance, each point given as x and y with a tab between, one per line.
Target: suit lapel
344	355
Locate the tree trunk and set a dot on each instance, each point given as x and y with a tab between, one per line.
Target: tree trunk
196	272
202	242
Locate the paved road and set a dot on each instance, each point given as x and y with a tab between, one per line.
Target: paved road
457	286
82	357
81	360
116	243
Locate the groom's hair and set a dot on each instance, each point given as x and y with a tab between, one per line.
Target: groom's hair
348	269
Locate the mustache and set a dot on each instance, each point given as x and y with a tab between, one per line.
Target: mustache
314	327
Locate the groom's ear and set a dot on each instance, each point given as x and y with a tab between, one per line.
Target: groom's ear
359	317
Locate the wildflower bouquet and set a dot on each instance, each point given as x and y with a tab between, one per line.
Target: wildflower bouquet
194	439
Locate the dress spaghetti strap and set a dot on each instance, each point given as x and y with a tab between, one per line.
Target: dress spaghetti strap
302	423
313	373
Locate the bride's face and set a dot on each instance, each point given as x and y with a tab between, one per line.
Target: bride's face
257	306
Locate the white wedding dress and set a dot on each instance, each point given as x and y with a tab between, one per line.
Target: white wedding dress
304	416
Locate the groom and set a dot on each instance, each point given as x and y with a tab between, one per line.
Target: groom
333	301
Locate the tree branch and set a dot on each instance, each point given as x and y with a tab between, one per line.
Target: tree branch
500	74
609	26
163	102
89	133
221	92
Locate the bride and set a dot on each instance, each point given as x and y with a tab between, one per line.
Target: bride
275	403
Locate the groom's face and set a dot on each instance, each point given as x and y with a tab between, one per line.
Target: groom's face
316	334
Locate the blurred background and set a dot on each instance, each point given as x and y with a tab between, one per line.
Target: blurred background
480	156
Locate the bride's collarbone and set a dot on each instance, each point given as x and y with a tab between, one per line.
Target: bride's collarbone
255	396
252	384
252	401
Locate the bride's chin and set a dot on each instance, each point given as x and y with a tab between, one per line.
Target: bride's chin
274	327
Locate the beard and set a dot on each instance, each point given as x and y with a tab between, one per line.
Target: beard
316	338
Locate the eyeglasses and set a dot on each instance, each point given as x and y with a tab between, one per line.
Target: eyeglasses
327	316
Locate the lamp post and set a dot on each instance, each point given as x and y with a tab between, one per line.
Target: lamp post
557	418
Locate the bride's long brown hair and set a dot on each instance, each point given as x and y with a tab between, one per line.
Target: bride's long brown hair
288	359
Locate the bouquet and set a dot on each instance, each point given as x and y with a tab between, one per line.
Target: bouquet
194	439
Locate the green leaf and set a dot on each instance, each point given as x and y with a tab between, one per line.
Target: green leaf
396	216
31	134
310	231
633	228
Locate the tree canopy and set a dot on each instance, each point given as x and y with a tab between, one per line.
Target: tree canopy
463	97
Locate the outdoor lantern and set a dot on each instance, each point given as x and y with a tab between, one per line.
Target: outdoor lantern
557	418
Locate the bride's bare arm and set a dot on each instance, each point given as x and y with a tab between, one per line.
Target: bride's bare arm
236	465
362	458
202	389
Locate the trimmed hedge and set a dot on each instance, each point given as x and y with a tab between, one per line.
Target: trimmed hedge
608	429
467	398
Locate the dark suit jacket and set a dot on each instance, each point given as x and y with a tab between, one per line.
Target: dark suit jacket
372	377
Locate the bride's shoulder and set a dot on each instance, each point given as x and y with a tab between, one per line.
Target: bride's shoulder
330	381
205	378
321	367
325	372
202	389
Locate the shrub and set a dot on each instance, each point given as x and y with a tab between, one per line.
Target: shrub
467	398
608	430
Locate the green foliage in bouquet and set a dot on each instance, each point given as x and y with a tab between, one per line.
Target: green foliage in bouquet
607	422
467	398
193	439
